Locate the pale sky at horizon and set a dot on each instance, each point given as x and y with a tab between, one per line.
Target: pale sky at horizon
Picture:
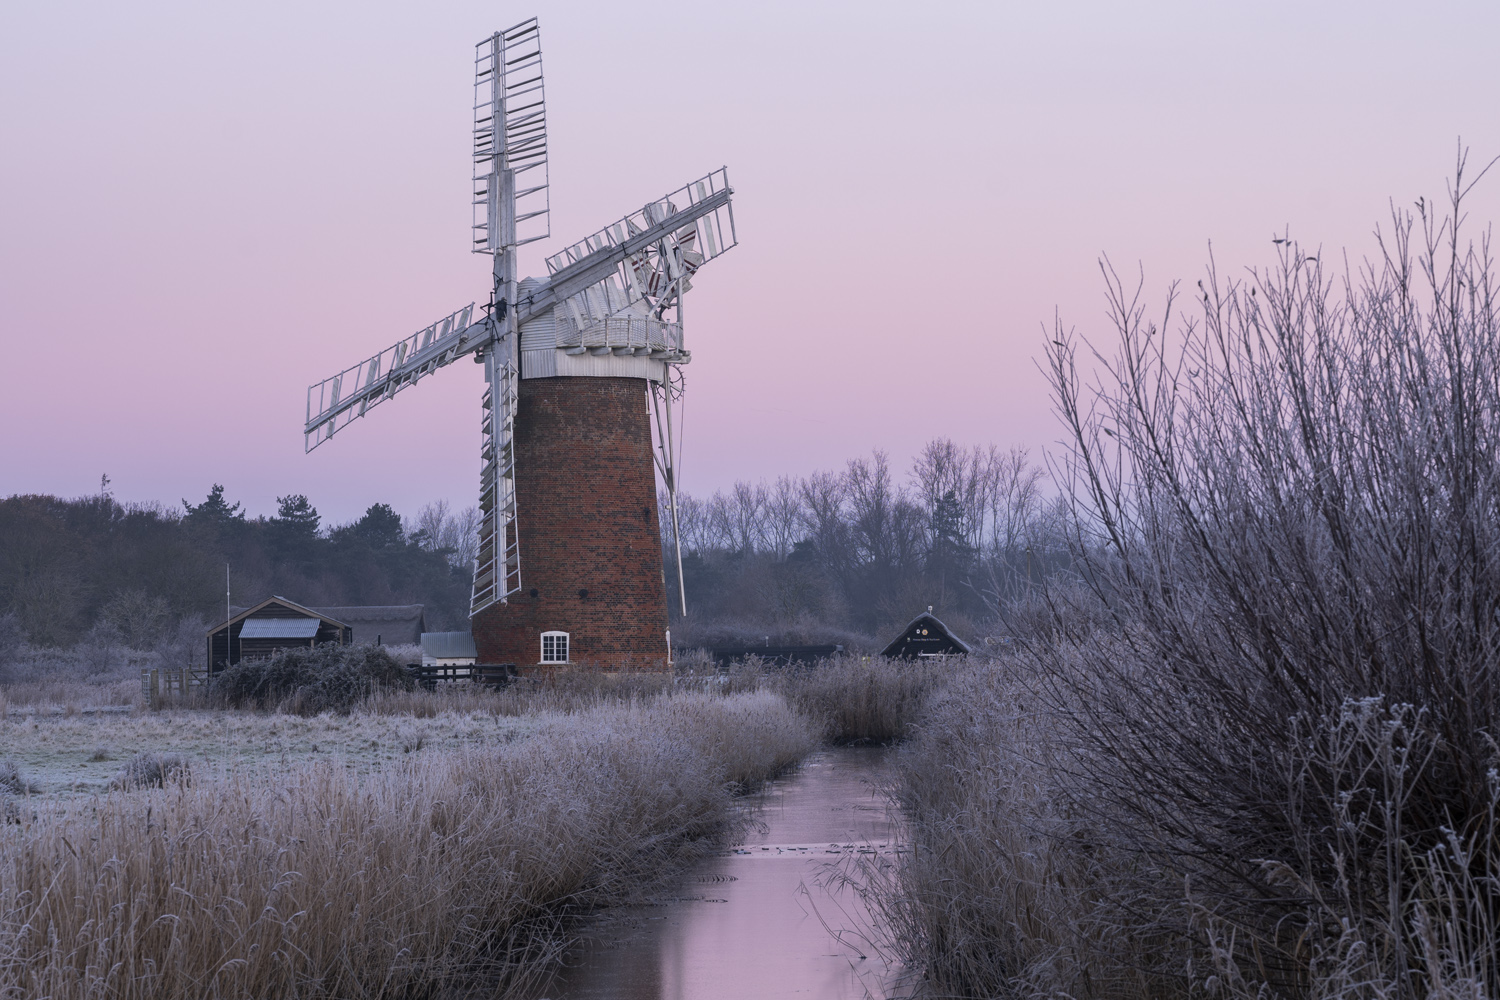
205	208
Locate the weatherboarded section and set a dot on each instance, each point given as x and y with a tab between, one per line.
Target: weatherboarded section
591	561
275	623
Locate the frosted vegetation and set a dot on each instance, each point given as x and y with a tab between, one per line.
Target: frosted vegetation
348	834
1248	748
445	868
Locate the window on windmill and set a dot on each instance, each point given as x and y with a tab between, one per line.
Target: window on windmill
554	647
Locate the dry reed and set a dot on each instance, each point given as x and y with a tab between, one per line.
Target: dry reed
443	872
861	700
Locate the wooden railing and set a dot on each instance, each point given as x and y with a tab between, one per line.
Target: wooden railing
489	674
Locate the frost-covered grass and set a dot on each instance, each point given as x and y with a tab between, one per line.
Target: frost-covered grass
450	865
80	753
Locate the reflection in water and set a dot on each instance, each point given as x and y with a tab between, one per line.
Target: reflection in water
756	921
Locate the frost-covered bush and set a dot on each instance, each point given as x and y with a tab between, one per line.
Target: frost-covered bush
325	678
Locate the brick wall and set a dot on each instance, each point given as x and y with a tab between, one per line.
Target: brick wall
586	516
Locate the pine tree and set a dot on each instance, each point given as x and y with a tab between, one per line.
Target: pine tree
297	516
213	510
380	527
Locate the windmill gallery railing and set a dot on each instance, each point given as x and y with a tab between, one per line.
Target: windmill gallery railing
621	335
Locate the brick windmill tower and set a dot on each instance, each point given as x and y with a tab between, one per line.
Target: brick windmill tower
578	364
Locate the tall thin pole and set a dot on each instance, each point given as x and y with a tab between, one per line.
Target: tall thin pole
227	616
672	485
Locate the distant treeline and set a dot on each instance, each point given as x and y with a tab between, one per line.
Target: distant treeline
71	569
860	551
833	557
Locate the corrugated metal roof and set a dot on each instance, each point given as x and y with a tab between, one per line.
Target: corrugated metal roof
449	645
280	628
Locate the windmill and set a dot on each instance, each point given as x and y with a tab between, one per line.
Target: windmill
576	364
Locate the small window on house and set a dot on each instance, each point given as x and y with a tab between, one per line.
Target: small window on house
554	647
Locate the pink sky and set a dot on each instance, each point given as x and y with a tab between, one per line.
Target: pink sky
204	208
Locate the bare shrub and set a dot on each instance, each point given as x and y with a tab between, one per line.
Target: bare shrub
1272	749
442	872
149	770
137	619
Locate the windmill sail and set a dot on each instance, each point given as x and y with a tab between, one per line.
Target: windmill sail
650	254
349	395
511	209
497	564
510	134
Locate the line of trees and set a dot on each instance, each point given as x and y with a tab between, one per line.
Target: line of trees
835	555
862	549
94	569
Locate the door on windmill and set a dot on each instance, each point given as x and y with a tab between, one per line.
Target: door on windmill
554	647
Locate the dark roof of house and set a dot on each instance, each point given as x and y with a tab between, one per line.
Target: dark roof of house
375	613
393	624
926	636
279	607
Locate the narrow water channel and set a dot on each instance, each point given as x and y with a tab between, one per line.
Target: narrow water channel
761	919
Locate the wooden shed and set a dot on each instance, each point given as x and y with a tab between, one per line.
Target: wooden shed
926	638
275	623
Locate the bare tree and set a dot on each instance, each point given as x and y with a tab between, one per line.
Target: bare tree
438	529
783	516
1287	506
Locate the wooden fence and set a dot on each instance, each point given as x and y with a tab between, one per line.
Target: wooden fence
157	683
489	674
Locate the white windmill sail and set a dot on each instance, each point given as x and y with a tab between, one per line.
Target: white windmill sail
511	208
349	395
655	250
510	125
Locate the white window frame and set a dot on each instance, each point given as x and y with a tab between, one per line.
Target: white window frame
566	644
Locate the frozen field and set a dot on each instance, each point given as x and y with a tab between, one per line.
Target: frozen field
68	754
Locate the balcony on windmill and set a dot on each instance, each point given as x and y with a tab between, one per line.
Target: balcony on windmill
641	336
